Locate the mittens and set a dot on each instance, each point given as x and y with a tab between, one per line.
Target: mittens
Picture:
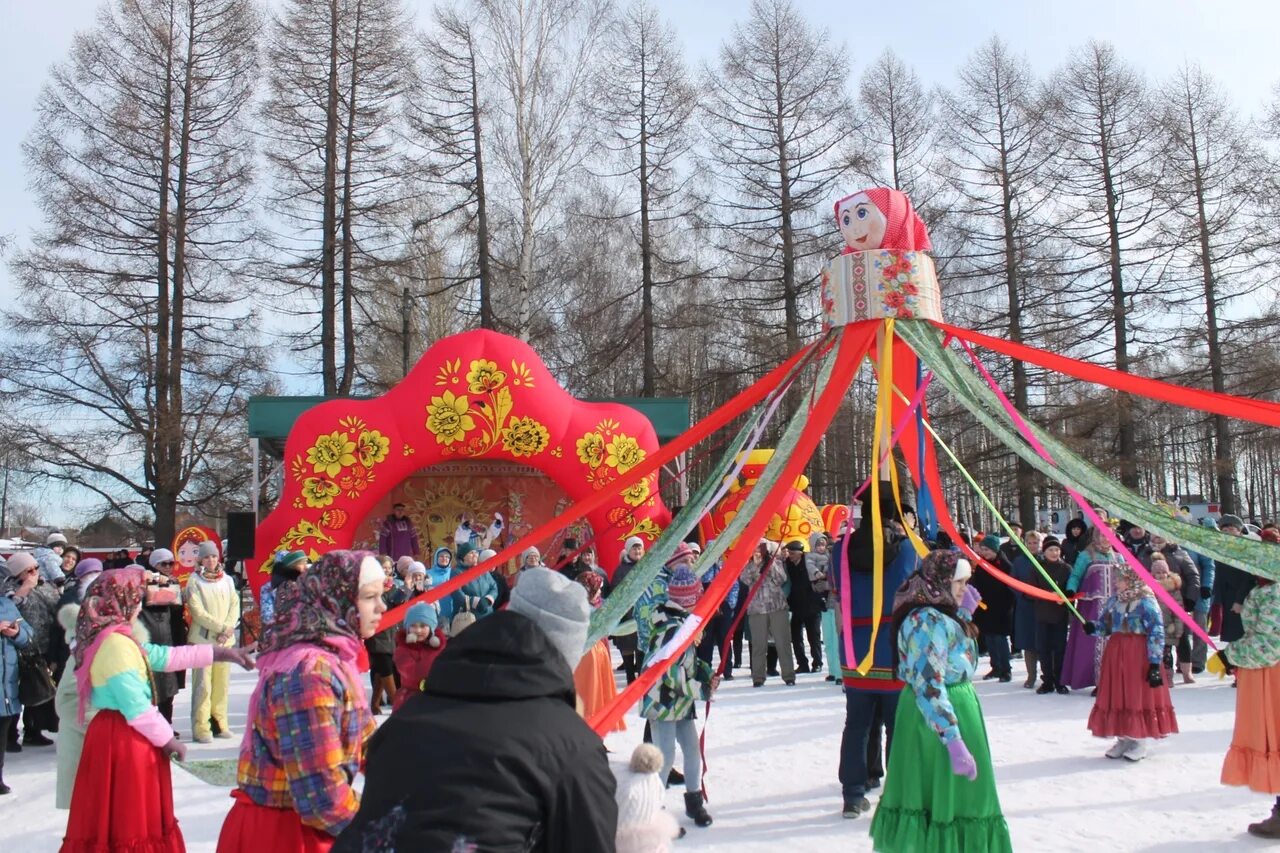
1205	593
1090	628
962	763
970	600
1154	678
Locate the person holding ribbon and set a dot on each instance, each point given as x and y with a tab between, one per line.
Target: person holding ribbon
940	791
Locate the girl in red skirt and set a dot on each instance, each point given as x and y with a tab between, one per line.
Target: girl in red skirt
123	794
308	717
1133	703
1254	757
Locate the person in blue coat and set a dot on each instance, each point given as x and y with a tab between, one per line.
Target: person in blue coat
441	570
1024	610
480	595
1208	572
14	634
871	699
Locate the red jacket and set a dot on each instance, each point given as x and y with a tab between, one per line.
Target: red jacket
413	662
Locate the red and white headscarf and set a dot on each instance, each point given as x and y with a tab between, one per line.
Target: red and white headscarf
904	229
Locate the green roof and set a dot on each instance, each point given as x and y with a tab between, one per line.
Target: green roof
271	418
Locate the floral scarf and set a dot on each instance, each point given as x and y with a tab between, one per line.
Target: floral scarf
929	585
1137	587
108	608
320	606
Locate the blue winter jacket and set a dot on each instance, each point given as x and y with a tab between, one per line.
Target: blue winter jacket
9	704
438	574
480	594
1208	570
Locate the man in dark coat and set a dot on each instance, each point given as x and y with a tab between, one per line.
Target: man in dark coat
806	610
1231	585
492	755
995	618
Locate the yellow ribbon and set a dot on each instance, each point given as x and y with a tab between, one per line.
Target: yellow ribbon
883	403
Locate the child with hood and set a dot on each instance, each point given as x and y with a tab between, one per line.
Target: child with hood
671	704
1133	703
644	826
479	595
418	644
441	570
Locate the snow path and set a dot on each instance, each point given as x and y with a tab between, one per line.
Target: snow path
773	754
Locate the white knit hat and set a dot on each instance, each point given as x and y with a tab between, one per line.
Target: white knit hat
639	792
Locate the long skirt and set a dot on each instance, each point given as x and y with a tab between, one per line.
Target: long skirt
1083	659
926	808
1254	756
123	796
1126	705
831	643
593	679
250	828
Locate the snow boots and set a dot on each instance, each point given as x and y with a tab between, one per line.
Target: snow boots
1269	828
1030	658
696	809
855	807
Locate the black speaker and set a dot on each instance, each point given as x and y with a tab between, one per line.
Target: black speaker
241	527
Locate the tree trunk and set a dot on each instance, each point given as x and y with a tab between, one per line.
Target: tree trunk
650	369
1224	452
1125	428
487	320
328	272
348	237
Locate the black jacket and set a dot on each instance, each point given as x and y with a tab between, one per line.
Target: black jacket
997	616
803	600
491	753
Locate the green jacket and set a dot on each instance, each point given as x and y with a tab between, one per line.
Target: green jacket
685	682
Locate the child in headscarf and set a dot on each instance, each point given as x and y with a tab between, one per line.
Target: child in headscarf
593	677
308	718
1133	703
122	799
940	789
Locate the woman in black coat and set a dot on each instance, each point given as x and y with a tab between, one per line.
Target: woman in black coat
994	617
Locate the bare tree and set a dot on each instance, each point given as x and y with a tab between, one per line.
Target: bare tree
450	111
125	350
642	101
1213	166
899	127
996	153
776	115
1107	168
338	70
539	54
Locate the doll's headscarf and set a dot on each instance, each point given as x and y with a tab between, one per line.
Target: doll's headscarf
904	230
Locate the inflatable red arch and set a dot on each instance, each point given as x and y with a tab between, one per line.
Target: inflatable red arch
478	395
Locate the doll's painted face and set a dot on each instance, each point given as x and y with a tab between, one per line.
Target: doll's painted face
862	224
188	555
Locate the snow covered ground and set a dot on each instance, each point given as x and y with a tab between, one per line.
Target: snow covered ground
773	754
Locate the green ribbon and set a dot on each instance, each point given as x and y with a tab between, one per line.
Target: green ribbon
1069	468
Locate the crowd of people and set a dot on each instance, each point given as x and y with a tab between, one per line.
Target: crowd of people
491	685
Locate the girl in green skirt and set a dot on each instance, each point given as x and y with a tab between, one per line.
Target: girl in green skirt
940	791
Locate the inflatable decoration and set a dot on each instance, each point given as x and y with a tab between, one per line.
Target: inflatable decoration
834	519
186	546
797	518
473	397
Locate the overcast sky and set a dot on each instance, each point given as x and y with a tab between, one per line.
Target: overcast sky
1235	42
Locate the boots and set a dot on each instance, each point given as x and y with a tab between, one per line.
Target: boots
1185	669
1030	658
375	694
389	689
1269	828
694	808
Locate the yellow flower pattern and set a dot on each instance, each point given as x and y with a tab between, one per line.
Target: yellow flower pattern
331	453
372	447
319	492
484	376
591	449
624	452
525	437
637	494
448	419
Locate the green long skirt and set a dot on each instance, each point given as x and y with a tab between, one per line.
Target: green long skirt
925	808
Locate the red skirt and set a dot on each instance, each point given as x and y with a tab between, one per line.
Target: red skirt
250	828
123	795
1126	705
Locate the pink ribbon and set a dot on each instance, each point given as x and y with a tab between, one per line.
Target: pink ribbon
1157	587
